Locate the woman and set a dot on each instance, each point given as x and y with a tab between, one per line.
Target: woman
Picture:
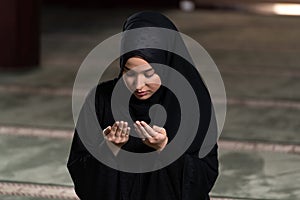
188	177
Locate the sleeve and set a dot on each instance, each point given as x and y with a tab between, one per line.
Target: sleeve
77	166
86	171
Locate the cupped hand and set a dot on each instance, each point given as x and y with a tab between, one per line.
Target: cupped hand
118	133
155	137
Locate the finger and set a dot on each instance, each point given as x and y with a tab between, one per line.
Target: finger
124	130
137	130
107	130
119	130
149	130
127	132
143	131
162	134
159	129
114	127
125	138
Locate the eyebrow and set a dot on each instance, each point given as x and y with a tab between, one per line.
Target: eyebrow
142	71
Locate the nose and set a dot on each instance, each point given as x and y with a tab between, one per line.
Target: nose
139	82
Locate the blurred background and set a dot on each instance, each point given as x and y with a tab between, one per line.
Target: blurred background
255	44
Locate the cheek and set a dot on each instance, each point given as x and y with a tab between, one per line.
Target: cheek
155	83
129	82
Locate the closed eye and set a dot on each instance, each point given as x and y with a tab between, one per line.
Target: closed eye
150	73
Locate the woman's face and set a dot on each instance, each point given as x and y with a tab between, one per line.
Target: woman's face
140	78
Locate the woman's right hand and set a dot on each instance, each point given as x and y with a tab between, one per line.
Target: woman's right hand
118	134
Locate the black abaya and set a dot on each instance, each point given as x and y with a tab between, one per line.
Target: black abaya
187	178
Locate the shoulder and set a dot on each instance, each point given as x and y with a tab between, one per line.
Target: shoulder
103	94
105	88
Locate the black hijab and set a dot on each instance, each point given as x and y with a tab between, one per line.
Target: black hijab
139	109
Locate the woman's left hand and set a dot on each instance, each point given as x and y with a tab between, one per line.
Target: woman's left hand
155	137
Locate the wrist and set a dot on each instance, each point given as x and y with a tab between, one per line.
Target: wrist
113	147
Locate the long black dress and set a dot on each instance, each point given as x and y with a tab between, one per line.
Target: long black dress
187	178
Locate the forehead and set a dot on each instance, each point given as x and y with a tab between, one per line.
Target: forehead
137	63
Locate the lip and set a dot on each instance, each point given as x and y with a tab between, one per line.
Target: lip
140	94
